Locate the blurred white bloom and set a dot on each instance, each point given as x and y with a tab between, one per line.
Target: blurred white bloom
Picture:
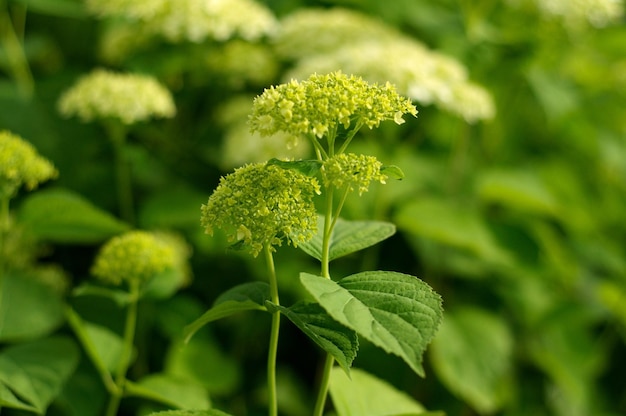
240	146
578	13
128	97
598	13
238	62
426	76
192	20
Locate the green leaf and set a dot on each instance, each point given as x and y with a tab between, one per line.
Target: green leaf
248	296
59	8
62	216
446	223
164	284
517	189
341	342
210	412
119	296
202	362
169	390
8	399
396	312
28	308
103	346
348	237
472	355
36	371
306	167
365	394
393	172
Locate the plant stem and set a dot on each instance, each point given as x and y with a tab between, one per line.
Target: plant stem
17	61
273	348
117	134
127	350
4	228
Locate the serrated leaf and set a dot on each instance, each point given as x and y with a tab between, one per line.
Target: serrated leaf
169	390
396	312
248	296
348	237
36	371
62	216
472	355
365	394
392	171
336	339
28	308
306	167
210	412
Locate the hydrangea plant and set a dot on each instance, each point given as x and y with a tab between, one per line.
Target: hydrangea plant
260	205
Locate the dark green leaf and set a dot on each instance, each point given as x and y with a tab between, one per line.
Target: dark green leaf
169	390
210	412
365	394
392	171
306	167
348	237
28	308
336	339
36	371
59	8
248	296
396	312
62	216
472	355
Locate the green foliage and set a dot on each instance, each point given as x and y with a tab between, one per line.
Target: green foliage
510	206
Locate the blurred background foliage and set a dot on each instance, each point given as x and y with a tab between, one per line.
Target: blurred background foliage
513	207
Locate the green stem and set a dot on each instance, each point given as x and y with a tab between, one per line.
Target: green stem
4	228
117	134
349	137
127	351
17	61
323	390
273	347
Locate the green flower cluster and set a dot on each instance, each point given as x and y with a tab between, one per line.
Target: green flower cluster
259	205
317	106
128	97
20	164
351	171
133	257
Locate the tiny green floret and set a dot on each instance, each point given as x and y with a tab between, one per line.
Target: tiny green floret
136	256
104	94
260	204
20	164
352	172
317	106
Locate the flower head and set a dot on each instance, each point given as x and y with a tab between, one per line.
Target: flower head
351	171
20	164
259	205
321	103
192	20
128	97
136	256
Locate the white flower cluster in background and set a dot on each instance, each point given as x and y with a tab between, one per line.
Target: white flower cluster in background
191	20
240	146
338	39
579	13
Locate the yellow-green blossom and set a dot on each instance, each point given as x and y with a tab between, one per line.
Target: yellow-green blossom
191	20
20	164
133	257
259	205
318	105
131	98
352	172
